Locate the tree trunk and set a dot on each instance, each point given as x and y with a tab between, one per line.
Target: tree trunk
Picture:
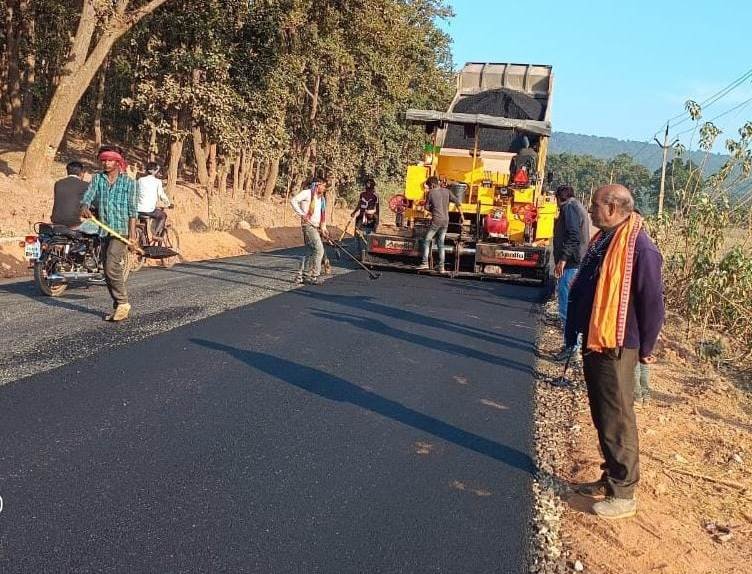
153	149
29	26
243	171
236	176
222	179
200	155
248	181
176	152
15	102
82	65
271	178
212	168
100	104
256	176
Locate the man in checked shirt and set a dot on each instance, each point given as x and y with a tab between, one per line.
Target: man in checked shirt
114	195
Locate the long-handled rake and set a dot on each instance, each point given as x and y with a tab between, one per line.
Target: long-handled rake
148	251
562	381
337	253
371	274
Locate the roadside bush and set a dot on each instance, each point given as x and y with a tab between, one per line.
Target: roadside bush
708	263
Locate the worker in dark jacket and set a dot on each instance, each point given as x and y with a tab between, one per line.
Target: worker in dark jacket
69	192
616	304
525	164
571	238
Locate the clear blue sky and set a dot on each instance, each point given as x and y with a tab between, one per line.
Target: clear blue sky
622	68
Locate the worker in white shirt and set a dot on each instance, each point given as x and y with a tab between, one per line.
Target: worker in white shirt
310	206
150	191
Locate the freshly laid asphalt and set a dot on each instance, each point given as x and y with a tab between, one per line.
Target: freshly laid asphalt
357	426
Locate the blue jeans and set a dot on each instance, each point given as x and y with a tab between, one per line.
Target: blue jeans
438	231
562	293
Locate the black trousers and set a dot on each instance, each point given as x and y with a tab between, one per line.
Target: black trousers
609	378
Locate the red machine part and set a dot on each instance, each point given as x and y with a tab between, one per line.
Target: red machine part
398	203
527	213
496	223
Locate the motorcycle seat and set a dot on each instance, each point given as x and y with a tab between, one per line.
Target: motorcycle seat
65	231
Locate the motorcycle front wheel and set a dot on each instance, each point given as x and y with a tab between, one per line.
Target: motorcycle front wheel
42	270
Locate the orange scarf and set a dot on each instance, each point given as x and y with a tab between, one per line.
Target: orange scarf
608	319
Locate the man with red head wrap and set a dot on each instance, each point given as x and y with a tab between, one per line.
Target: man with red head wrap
114	195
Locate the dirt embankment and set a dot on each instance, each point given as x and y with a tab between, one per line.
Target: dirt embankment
248	224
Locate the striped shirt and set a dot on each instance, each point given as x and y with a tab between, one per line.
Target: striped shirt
116	203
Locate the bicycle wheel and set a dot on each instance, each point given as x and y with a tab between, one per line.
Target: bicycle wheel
135	260
171	239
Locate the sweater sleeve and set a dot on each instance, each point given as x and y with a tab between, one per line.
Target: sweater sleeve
572	222
647	291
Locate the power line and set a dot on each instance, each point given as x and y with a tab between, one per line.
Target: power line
736	107
710	100
645	147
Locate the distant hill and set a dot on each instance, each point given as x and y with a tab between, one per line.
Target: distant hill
648	154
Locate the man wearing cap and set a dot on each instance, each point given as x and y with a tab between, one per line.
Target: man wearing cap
114	195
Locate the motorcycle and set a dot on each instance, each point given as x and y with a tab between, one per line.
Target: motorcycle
62	256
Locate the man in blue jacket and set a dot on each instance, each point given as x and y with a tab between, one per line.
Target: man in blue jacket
616	305
571	238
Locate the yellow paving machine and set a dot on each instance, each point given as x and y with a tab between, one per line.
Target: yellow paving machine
490	150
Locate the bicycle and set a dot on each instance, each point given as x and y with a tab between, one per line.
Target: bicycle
167	238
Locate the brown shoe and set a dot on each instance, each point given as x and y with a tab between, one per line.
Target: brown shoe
614	508
120	314
595	488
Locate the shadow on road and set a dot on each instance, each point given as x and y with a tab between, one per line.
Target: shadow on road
336	389
366	303
381	328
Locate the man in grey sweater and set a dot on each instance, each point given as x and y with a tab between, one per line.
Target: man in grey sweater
438	205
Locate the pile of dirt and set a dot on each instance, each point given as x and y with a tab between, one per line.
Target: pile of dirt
246	224
695	493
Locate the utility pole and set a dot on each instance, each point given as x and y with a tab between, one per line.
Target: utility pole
665	147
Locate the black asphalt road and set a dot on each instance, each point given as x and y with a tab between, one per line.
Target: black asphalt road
360	426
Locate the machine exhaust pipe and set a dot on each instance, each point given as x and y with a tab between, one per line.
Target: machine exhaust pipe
451	249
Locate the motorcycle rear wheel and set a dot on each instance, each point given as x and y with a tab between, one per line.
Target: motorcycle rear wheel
41	270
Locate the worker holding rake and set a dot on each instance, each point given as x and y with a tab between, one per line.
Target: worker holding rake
310	206
114	196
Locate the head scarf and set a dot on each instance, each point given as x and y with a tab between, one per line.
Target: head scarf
112	155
